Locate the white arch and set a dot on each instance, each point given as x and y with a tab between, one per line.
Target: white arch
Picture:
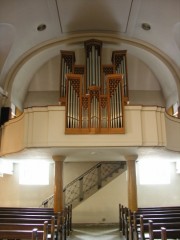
21	73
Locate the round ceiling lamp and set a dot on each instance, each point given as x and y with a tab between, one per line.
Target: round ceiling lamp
41	27
146	26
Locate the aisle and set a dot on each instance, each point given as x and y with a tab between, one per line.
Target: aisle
98	233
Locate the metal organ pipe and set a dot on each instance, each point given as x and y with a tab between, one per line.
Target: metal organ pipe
125	79
93	67
120	105
114	116
68	106
99	70
71	106
105	100
62	78
96	67
90	68
77	108
87	74
111	111
117	106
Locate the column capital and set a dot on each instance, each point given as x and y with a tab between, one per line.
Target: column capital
57	158
132	157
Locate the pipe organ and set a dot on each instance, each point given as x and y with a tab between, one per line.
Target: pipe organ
120	66
93	63
94	94
67	66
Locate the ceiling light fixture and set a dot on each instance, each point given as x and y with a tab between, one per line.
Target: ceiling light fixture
41	27
146	26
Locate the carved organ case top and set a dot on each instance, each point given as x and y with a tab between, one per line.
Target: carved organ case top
94	95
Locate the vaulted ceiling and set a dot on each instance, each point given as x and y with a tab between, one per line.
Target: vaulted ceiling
24	49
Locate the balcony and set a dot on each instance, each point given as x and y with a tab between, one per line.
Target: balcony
44	127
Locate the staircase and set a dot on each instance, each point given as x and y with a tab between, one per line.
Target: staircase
89	183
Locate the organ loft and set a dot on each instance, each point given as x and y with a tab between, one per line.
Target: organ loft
94	94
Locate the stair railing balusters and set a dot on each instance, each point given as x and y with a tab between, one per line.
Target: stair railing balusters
99	183
81	194
78	189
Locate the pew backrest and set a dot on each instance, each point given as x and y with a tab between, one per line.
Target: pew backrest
22	234
163	233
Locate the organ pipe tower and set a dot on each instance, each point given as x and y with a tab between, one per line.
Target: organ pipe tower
94	95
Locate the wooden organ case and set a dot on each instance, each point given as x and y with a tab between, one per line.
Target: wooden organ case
94	94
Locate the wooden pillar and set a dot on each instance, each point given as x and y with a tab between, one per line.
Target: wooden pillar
132	187
179	112
58	184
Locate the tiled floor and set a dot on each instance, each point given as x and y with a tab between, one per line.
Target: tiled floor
96	232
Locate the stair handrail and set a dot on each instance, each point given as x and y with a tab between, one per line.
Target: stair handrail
45	203
91	169
121	164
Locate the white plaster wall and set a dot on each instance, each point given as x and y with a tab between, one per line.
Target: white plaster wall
160	195
73	170
142	83
101	207
41	98
173	132
14	130
145	97
16	195
44	127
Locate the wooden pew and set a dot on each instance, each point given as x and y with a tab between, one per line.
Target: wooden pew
30	210
27	208
139	228
70	217
158	211
158	208
64	222
26	234
23	224
150	225
23	234
123	215
163	233
157	215
24	218
27	213
10	215
120	217
130	222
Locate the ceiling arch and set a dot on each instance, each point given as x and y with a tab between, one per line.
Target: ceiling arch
21	73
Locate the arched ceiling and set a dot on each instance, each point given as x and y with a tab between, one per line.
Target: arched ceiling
23	49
